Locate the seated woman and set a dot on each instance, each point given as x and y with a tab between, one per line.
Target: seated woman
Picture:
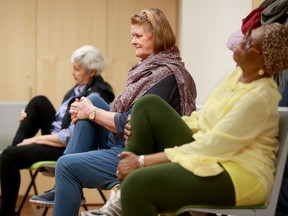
223	154
160	71
56	127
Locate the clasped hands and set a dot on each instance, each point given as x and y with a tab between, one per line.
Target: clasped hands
80	108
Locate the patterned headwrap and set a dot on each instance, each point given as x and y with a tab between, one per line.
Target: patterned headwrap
275	47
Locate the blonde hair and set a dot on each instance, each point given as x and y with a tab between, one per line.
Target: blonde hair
156	23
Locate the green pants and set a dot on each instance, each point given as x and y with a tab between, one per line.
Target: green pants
166	187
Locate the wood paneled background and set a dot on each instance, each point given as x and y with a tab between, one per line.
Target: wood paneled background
38	37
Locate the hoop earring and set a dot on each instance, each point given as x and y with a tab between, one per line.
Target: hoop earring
260	72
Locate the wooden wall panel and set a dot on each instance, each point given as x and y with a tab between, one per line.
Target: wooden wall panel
62	27
39	37
17	45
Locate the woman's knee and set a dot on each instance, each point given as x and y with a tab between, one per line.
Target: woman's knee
147	101
149	98
10	157
39	99
40	102
69	162
5	155
98	101
8	154
63	163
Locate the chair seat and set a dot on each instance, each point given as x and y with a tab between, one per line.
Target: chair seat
215	209
47	168
40	164
262	206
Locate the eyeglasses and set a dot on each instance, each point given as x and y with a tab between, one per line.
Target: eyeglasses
247	41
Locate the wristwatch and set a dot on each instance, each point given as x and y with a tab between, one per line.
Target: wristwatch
92	114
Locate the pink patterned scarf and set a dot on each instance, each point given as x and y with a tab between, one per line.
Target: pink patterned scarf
144	75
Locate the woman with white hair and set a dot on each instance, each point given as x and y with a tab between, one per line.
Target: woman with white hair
56	128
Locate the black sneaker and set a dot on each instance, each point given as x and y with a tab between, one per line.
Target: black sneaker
47	199
44	200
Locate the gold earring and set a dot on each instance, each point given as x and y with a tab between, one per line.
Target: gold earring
260	72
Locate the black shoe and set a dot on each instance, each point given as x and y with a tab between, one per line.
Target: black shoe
47	199
44	200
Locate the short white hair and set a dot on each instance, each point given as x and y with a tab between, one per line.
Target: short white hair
90	57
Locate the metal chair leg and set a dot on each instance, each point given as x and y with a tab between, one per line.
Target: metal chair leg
34	185
32	182
102	195
45	211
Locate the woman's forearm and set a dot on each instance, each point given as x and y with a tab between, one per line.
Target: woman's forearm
106	119
49	139
157	158
131	161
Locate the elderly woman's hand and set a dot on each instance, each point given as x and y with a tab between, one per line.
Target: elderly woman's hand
128	163
127	129
80	109
22	116
28	141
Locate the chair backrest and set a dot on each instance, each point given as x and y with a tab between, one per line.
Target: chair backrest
260	210
9	114
281	156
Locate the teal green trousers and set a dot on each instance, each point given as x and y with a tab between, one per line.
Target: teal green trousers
166	187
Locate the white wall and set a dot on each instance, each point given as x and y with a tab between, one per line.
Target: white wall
204	27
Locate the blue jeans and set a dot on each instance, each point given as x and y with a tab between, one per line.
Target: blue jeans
93	169
83	167
88	135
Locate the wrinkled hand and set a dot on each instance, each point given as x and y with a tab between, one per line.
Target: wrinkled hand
79	109
127	132
27	141
127	129
128	163
22	116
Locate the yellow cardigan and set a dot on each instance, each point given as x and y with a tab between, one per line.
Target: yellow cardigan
237	127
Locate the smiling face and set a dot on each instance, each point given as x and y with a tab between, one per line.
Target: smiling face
142	40
81	76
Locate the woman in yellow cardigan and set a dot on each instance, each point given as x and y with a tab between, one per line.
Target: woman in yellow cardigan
223	154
